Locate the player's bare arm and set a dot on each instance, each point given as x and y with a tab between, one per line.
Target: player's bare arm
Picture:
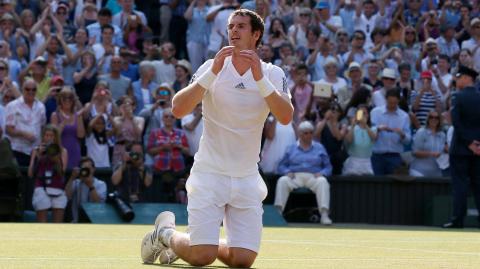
185	101
279	105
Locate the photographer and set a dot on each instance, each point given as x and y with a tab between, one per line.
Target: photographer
47	168
131	177
83	187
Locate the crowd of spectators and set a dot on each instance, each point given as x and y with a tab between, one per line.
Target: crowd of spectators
374	79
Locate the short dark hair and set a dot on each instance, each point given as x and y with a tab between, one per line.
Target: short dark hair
86	159
256	21
444	57
395	92
105	12
368	2
317	31
404	66
108	26
301	66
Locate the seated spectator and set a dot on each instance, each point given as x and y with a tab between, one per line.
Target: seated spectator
128	128
143	88
105	18
131	176
330	132
305	164
359	141
24	118
84	187
277	138
331	75
393	127
168	146
70	124
183	72
429	143
47	168
97	140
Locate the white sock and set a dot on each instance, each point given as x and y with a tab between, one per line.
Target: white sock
167	236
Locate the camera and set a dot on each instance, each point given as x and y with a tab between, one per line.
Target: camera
434	61
84	172
161	102
135	156
51	150
123	208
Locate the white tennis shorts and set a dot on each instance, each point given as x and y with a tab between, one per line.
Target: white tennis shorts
213	198
42	201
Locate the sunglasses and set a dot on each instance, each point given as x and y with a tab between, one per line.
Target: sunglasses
359	37
168	116
163	93
30	89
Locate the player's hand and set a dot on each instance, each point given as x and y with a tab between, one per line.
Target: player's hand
220	58
254	62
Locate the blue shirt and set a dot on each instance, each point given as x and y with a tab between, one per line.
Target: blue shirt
95	30
425	140
198	28
137	92
362	144
390	142
313	160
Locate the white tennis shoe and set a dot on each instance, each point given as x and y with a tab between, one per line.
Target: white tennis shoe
153	244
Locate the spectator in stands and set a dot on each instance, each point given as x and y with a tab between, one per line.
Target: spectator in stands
24	118
318	57
105	18
47	168
472	44
88	16
412	48
183	72
165	18
197	32
447	43
7	97
277	35
192	124
406	85
218	16
118	84
97	139
301	93
85	78
32	5
388	81
429	143
5	82
41	30
131	176
357	52
266	53
77	48
429	56
342	41
359	142
84	187
121	18
361	97
13	67
70	125
330	131
331	78
393	127
129	67
313	33
8	32
425	99
166	66
143	88
50	50
133	32
62	14
277	138
347	13
465	59
168	146
298	32
128	128
105	50
37	70
443	78
329	24
367	18
305	164
372	76
354	75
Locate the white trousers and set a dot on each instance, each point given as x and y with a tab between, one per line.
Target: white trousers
319	185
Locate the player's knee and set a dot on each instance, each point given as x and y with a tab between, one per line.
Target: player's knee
203	258
241	259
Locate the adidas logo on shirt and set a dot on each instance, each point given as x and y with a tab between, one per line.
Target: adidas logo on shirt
240	86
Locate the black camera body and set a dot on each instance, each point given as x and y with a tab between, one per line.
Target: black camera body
135	156
51	150
122	207
84	172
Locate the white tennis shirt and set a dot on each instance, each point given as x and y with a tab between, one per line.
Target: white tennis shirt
234	113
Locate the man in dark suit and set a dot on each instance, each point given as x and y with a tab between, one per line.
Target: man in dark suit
465	147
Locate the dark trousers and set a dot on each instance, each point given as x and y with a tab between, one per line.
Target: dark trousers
385	163
465	170
22	158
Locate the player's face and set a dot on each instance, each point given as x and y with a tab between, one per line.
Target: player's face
240	33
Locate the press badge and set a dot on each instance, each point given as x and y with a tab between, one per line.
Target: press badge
48	176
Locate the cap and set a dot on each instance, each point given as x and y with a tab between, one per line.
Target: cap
322	5
463	70
305	126
352	66
431	41
56	79
474	21
185	64
63	4
7	17
40	60
388	73
330	60
426	74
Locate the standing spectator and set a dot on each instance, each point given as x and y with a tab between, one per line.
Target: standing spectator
85	78
105	18
70	125
367	19
305	164
143	88
354	75
24	119
77	48
313	33
425	99
393	127
265	52
331	75
362	97
97	140
128	128
88	16
388	80
465	149
13	67
443	78
277	35
429	143
166	66
105	50
329	24
318	57
47	168
359	141
412	48
372	76
121	18
347	12
473	44
298	32
447	43
197	33
37	70
429	56
406	85
133	32
62	14
131	176
8	32
50	50
357	52
183	71
178	27
118	84
301	93
465	59
5	82
84	187
165	18
218	15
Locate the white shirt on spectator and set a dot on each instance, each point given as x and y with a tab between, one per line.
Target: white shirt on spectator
367	25
219	26
193	137
335	21
164	72
300	37
120	19
471	44
341	83
95	30
23	118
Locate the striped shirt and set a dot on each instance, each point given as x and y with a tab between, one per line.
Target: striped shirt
427	104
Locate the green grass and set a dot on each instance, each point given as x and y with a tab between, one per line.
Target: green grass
302	246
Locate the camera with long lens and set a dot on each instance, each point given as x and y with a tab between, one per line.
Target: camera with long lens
84	172
123	208
134	156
